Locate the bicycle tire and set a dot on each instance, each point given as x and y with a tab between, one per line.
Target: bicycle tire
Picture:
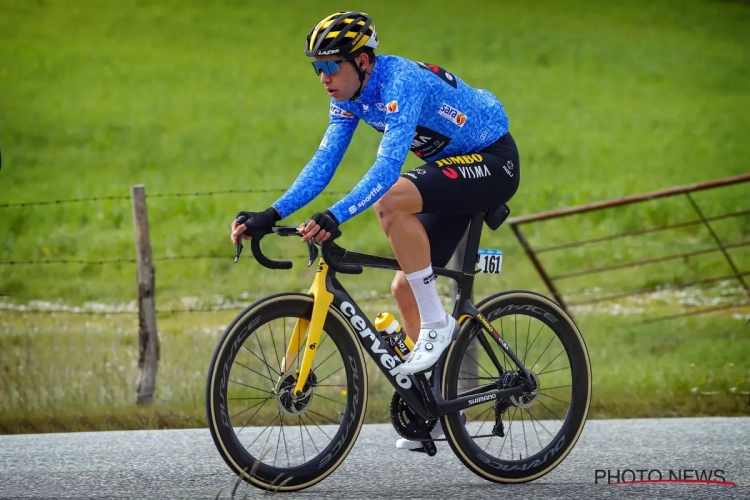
537	465
251	468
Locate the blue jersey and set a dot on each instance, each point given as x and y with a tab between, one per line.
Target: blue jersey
417	107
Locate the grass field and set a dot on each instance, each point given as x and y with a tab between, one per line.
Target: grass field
605	99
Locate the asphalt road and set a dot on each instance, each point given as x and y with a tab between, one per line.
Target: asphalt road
185	464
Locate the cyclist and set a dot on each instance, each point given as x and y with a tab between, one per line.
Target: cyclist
471	164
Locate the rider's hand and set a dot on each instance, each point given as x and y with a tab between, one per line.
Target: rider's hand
255	220
321	226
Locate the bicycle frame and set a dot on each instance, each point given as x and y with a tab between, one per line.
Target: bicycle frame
423	397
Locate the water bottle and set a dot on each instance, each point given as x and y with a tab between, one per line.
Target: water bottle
392	333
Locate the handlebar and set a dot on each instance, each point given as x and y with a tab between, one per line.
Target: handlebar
329	250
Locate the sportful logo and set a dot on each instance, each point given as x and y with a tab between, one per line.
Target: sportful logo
391	107
452	114
508	167
336	111
353	209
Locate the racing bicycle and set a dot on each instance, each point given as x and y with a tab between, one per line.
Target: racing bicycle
287	387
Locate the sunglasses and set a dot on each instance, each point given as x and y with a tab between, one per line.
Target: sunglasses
329	67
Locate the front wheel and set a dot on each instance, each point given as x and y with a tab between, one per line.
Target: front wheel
520	438
268	437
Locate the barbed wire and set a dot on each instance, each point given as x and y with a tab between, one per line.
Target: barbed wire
257	191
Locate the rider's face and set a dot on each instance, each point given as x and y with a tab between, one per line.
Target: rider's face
344	83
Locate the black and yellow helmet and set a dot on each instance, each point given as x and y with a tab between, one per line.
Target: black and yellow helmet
341	33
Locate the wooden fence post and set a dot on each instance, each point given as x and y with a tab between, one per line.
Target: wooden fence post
148	338
468	367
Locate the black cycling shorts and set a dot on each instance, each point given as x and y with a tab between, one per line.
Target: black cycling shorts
454	187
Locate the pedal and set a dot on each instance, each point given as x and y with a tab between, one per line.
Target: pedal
429	448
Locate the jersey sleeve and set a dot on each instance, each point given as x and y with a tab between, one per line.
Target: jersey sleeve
403	104
318	172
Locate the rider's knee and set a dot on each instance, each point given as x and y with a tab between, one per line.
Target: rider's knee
401	290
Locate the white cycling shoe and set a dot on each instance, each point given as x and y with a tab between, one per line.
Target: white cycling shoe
428	348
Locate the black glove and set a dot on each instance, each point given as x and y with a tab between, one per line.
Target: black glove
255	221
327	222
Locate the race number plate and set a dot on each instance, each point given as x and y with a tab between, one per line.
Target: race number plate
489	261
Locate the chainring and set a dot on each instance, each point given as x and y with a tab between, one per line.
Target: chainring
407	423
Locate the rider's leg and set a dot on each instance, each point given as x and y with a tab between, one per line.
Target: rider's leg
396	212
444	232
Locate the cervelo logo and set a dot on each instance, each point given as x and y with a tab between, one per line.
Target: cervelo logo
452	114
391	107
336	111
387	361
353	209
328	52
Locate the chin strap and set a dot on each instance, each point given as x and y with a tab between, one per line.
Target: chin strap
361	73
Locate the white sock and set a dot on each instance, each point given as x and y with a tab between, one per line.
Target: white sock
431	311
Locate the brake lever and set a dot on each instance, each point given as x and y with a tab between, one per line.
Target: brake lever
238	249
313	252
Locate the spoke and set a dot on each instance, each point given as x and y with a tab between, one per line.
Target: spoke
330	385
302	438
545	350
556	387
553	359
260	346
253	415
308	433
278	440
329	399
316	425
526	349
535	337
515	330
523	428
548	409
542	393
477	362
483	422
330	374
323	416
510	431
540	425
252	387
285	446
263	431
555	370
249	407
251	352
535	431
276	351
243	399
321	363
510	423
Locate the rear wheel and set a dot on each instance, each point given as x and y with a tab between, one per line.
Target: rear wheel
519	439
267	437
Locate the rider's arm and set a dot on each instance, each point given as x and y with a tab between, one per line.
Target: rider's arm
319	171
394	146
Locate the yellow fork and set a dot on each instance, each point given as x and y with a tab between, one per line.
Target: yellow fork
314	327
